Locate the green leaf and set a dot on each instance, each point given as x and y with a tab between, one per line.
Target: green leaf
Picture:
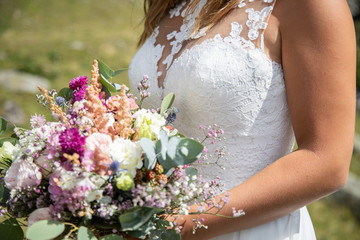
44	230
112	237
66	93
4	193
142	231
190	172
106	73
164	140
5	163
85	234
167	102
134	218
13	141
107	84
3	125
106	91
10	229
190	149
170	234
149	152
14	136
172	146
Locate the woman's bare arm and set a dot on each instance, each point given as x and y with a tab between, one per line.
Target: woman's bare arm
318	56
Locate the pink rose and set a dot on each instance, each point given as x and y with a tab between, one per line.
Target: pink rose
38	215
99	144
22	174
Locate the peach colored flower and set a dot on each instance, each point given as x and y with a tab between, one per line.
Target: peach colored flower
99	144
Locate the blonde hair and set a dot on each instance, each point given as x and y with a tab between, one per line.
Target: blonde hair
211	13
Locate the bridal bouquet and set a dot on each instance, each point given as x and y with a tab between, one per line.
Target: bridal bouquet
105	169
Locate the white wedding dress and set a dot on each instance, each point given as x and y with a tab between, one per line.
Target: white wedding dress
222	75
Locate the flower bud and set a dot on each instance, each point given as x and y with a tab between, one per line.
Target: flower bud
125	182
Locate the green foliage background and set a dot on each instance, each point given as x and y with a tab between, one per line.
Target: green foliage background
60	39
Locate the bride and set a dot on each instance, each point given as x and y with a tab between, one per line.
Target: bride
268	72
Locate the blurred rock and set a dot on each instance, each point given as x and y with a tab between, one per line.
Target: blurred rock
16	81
14	113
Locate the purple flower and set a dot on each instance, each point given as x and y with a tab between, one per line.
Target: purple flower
78	83
72	142
79	94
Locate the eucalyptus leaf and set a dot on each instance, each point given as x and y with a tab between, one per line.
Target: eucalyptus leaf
172	146
112	237
149	152
164	143
3	125
134	218
44	230
11	140
85	234
66	93
193	149
167	102
169	172
170	234
190	172
10	229
142	231
168	164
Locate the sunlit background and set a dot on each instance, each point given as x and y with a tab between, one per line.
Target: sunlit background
44	42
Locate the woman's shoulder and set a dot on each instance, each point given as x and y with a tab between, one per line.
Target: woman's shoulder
312	13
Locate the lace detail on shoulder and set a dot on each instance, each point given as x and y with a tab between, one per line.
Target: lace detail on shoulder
176	10
177	38
158	48
256	21
235	37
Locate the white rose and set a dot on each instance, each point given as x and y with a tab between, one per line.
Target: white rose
7	150
22	174
38	215
128	154
153	120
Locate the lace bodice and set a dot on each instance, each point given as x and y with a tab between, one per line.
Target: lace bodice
221	75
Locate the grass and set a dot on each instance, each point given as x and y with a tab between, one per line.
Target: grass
333	222
59	40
